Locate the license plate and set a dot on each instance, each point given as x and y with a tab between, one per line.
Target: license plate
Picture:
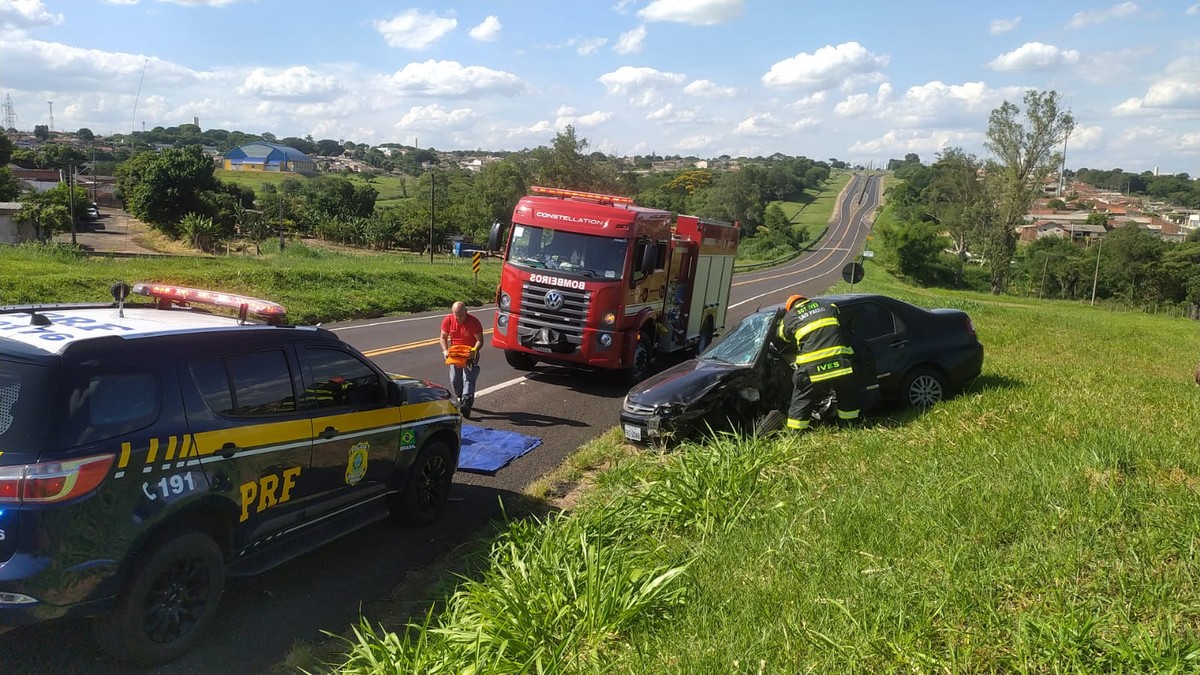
633	433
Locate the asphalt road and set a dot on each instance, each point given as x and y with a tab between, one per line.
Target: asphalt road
261	618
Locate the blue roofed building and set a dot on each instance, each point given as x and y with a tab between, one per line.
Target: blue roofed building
264	156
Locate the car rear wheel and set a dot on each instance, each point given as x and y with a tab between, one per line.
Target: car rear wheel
924	387
519	360
429	481
170	599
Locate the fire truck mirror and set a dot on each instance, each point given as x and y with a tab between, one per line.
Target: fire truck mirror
495	237
649	259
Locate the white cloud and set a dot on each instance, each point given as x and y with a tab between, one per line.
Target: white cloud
1178	89
926	142
35	65
1034	56
1193	11
1001	26
435	117
692	12
764	124
692	143
1081	19
19	15
938	105
808	102
488	31
1086	138
667	114
708	89
855	105
415	30
827	67
631	41
588	121
539	128
451	78
297	82
643	85
586	46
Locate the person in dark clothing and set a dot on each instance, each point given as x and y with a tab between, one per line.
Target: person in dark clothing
823	360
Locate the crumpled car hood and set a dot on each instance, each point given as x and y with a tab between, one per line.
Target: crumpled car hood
685	383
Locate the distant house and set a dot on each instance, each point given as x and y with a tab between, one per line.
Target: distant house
39	180
263	156
12	232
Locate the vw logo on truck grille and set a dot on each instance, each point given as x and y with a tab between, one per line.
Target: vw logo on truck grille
554	300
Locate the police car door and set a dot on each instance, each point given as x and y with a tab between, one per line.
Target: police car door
356	432
254	440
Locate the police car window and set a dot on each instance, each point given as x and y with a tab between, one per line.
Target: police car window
341	379
870	320
24	397
101	405
246	385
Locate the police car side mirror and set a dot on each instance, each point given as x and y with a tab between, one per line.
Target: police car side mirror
395	394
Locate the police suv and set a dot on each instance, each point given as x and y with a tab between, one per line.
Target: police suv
149	450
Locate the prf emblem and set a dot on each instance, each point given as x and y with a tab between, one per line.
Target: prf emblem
356	463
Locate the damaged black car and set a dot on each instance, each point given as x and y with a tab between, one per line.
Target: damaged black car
904	353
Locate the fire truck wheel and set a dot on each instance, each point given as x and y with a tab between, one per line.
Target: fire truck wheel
706	336
640	367
519	360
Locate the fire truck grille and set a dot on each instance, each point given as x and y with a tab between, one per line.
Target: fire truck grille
552	318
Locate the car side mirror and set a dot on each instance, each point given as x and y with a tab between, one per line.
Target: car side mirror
396	394
649	258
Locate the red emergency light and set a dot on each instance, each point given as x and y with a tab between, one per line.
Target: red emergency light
184	294
559	192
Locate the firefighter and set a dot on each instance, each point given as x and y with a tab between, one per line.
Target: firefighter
823	360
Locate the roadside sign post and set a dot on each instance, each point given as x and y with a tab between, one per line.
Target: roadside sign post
475	262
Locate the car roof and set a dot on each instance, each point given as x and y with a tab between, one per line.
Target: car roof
69	326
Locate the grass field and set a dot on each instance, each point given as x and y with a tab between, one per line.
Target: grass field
390	188
1046	520
314	285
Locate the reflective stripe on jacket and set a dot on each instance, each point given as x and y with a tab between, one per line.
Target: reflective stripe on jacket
821	350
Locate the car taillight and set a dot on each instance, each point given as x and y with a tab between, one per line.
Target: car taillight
48	482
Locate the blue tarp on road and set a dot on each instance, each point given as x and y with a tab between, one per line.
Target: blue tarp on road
489	450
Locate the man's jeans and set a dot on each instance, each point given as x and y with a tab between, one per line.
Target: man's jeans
462	381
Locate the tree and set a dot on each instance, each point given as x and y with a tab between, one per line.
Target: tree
165	187
85	134
41	132
958	201
1024	149
10	187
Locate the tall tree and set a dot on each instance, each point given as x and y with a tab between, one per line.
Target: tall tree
958	201
1024	148
170	185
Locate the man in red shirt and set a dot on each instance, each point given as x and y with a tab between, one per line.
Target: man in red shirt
461	329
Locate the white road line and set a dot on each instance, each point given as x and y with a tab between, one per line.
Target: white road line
497	387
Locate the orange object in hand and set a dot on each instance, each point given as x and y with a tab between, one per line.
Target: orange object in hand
459	355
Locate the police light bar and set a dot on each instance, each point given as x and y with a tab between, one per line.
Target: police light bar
197	295
559	192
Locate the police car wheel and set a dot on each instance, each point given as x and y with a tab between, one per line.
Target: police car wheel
429	481
169	600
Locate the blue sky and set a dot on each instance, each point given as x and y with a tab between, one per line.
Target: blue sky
859	81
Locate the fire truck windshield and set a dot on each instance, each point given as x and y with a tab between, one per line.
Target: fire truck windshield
567	252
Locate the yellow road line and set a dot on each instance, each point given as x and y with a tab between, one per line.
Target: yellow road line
411	345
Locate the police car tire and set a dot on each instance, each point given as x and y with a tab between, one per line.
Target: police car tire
189	558
427	488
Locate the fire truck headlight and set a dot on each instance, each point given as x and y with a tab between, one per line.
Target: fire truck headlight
610	319
502	321
505	301
605	340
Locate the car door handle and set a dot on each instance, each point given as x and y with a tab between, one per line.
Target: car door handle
228	450
329	432
899	344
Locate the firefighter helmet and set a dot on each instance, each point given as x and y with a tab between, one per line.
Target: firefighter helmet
793	301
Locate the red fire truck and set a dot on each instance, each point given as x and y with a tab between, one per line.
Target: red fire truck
597	281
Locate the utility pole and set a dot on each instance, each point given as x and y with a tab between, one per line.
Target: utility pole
1096	275
71	203
432	187
51	103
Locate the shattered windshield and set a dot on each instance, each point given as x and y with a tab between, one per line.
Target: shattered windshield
569	252
742	345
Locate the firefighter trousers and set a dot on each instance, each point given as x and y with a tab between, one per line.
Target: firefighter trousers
806	394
